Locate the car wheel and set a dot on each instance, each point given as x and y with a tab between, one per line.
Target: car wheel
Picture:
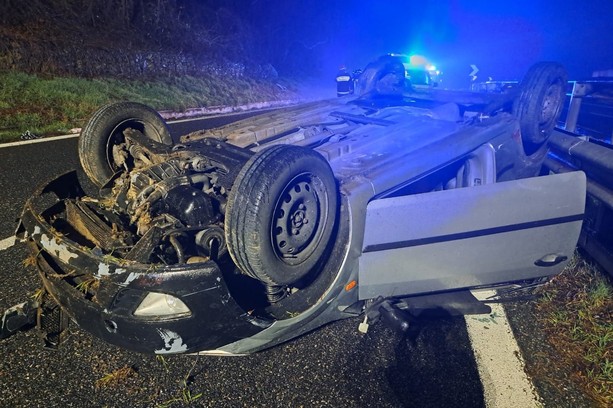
281	213
383	77
538	106
105	129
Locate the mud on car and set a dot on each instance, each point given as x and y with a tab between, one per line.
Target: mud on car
238	238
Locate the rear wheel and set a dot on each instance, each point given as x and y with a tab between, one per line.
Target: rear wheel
384	76
538	106
105	130
281	213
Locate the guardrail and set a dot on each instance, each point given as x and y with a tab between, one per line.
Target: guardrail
597	89
569	152
588	108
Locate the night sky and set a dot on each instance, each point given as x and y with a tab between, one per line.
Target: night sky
502	38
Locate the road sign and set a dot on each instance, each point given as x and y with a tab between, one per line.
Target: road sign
473	74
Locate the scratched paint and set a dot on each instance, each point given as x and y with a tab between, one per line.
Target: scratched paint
173	343
132	276
103	270
60	251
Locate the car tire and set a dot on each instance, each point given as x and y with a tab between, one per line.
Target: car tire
281	214
105	129
542	93
384	76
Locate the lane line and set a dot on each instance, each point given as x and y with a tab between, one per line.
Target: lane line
203	114
499	360
41	140
6	243
55	138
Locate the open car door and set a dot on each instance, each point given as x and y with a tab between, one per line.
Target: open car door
467	237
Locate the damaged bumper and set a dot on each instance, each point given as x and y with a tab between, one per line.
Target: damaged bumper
161	309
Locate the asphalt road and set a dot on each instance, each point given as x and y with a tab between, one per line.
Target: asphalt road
331	367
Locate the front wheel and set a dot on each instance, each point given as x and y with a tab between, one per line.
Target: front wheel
104	130
281	214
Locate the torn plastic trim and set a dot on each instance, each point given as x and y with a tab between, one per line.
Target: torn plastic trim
216	319
121	286
18	317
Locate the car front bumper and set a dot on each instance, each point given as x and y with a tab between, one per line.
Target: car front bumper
101	293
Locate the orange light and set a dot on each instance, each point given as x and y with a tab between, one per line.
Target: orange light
418	60
351	285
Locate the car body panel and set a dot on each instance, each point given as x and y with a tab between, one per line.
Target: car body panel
475	237
215	319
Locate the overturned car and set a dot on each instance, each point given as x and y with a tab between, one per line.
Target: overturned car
245	236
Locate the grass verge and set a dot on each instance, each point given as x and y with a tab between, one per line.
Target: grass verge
576	313
53	106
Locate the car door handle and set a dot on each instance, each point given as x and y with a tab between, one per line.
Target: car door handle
551	260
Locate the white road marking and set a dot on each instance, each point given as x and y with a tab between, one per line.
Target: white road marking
6	243
54	138
499	360
205	113
41	140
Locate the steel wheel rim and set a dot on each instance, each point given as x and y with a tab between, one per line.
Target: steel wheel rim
299	217
551	102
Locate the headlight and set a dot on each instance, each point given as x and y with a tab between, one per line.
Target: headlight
161	305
